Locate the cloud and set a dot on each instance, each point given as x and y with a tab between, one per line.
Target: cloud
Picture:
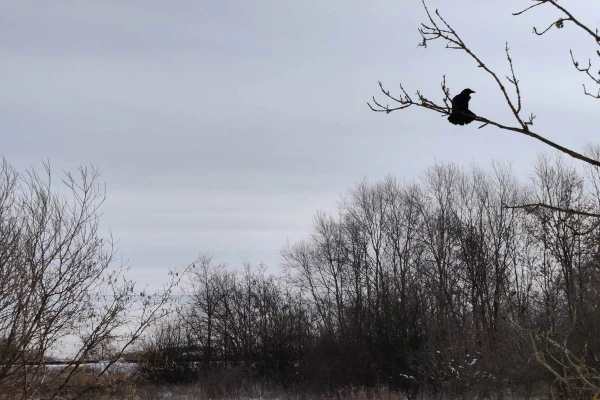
225	125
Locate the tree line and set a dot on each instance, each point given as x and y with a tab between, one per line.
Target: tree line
457	282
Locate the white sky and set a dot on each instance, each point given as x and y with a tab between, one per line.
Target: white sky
223	126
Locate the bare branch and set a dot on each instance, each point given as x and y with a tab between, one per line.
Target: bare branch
560	24
443	30
575	20
534	206
514	79
587	71
448	34
530	7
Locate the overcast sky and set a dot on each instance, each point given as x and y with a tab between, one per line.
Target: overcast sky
223	126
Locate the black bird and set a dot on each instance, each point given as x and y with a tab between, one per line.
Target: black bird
461	114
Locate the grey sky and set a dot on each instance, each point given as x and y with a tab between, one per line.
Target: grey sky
224	125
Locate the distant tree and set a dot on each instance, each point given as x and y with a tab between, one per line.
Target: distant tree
169	353
208	287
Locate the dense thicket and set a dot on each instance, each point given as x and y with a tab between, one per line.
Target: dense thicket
437	283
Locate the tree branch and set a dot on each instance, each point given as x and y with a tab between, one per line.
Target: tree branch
532	207
442	30
559	25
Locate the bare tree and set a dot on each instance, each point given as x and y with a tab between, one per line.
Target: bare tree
58	282
208	289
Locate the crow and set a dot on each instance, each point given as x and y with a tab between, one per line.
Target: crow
461	114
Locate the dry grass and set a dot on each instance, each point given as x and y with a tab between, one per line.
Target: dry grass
231	384
198	392
83	384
